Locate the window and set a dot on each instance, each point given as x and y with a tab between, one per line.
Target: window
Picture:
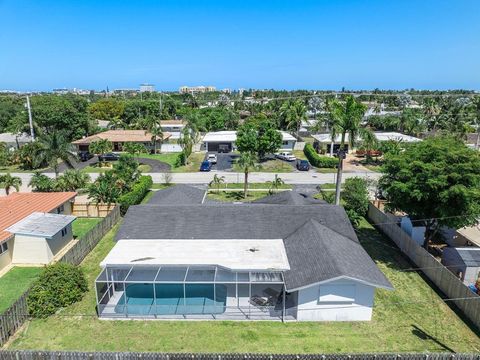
3	248
64	231
60	209
339	293
284	142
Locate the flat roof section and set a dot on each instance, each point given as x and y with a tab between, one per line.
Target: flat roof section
44	225
234	254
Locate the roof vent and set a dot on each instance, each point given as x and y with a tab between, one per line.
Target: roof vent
253	249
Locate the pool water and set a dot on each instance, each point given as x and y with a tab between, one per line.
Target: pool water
199	299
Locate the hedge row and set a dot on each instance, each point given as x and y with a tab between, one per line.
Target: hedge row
317	160
136	195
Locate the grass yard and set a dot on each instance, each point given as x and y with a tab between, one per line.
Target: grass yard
413	318
271	166
251	186
97	169
169	158
82	225
194	160
14	283
237	196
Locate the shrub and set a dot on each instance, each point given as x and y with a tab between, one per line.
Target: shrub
136	195
58	286
355	197
317	160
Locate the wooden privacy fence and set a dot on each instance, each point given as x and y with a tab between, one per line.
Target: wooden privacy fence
77	355
467	301
82	209
14	317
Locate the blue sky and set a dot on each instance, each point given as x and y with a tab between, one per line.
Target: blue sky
321	44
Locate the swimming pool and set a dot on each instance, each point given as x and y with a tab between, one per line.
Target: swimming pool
200	299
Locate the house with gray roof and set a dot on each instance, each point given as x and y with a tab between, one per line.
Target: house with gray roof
258	261
463	262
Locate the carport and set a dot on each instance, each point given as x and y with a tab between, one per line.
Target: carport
220	141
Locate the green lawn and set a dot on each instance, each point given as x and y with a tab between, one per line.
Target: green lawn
14	283
272	166
82	225
96	169
229	196
251	186
169	158
412	318
194	161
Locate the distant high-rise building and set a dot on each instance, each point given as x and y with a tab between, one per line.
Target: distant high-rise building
147	88
196	89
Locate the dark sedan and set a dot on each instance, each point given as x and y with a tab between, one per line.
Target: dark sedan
108	157
303	165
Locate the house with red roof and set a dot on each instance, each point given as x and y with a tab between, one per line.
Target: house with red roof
34	227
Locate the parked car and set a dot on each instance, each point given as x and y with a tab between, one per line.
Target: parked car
109	157
303	165
285	156
206	166
212	158
84	155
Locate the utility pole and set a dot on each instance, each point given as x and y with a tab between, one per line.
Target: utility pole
30	121
341	155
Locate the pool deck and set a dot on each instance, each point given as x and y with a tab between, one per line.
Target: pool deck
235	309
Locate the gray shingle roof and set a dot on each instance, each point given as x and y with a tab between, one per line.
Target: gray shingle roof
320	241
289	198
178	195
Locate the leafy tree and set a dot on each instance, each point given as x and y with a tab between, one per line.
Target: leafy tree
54	148
100	147
246	162
104	190
436	182
355	197
217	182
275	184
41	183
247	138
126	170
269	139
109	109
186	142
71	180
8	181
29	158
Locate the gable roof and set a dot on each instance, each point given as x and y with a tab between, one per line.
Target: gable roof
289	198
120	136
179	195
17	206
319	240
335	256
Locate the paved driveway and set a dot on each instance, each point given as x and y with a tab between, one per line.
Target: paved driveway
224	161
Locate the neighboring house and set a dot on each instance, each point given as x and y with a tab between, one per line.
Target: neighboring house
14	141
118	138
325	140
225	141
18	207
236	262
174	127
417	233
467	236
463	262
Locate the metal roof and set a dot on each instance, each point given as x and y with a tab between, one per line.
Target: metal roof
45	225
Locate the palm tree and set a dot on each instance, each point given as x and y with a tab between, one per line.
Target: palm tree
217	181
432	110
369	141
275	184
54	148
41	183
103	191
293	113
347	118
8	181
157	136
100	148
72	180
476	118
246	162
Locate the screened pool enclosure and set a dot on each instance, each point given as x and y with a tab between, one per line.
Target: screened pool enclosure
196	292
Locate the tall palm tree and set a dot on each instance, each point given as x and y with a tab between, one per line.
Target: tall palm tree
157	137
293	113
432	110
72	180
348	117
8	181
246	162
100	148
54	148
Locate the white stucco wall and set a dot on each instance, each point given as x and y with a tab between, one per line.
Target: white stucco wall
288	145
38	250
340	300
6	257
